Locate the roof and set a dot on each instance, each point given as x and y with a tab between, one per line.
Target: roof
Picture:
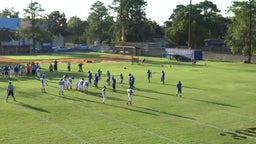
10	23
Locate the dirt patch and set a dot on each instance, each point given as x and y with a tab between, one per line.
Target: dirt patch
113	58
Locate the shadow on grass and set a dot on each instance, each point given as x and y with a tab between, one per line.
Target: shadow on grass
118	99
96	94
32	107
96	102
116	106
215	103
171	63
133	110
166	113
196	88
16	78
122	92
152	91
65	97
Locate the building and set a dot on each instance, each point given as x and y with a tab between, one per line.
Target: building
215	45
15	44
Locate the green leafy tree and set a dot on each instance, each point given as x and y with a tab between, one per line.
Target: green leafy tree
206	22
33	13
152	30
57	23
100	24
6	35
76	27
214	23
131	19
240	37
177	30
9	13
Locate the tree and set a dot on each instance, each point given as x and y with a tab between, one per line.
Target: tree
33	13
240	37
6	35
214	22
9	13
76	27
177	31
206	22
152	30
131	19
100	24
57	23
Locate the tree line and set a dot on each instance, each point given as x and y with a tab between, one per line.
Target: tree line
130	24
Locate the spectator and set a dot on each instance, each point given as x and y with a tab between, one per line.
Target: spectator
55	65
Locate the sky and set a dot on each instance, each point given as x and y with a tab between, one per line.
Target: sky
156	10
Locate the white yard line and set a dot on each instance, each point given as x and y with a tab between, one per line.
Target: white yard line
164	137
130	125
239	115
222	129
69	132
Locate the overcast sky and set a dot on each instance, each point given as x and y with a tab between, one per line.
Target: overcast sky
157	10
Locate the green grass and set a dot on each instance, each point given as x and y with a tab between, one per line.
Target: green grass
218	99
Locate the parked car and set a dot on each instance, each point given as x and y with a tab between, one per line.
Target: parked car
85	46
55	47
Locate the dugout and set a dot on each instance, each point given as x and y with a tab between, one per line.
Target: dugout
133	51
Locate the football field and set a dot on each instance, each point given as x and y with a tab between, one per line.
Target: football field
217	104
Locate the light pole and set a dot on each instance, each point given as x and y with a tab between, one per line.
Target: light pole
250	32
33	26
189	25
122	21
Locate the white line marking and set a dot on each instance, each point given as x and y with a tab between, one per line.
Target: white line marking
218	128
70	133
239	115
131	125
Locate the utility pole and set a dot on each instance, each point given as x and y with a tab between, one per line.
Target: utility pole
250	32
33	26
122	21
189	25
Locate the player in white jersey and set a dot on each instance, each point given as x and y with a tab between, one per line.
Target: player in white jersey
79	84
104	97
129	94
85	86
69	82
65	79
38	72
43	82
61	86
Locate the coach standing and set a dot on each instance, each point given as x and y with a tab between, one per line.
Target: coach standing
10	89
55	65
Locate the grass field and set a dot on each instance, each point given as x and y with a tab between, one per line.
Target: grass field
217	106
58	56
